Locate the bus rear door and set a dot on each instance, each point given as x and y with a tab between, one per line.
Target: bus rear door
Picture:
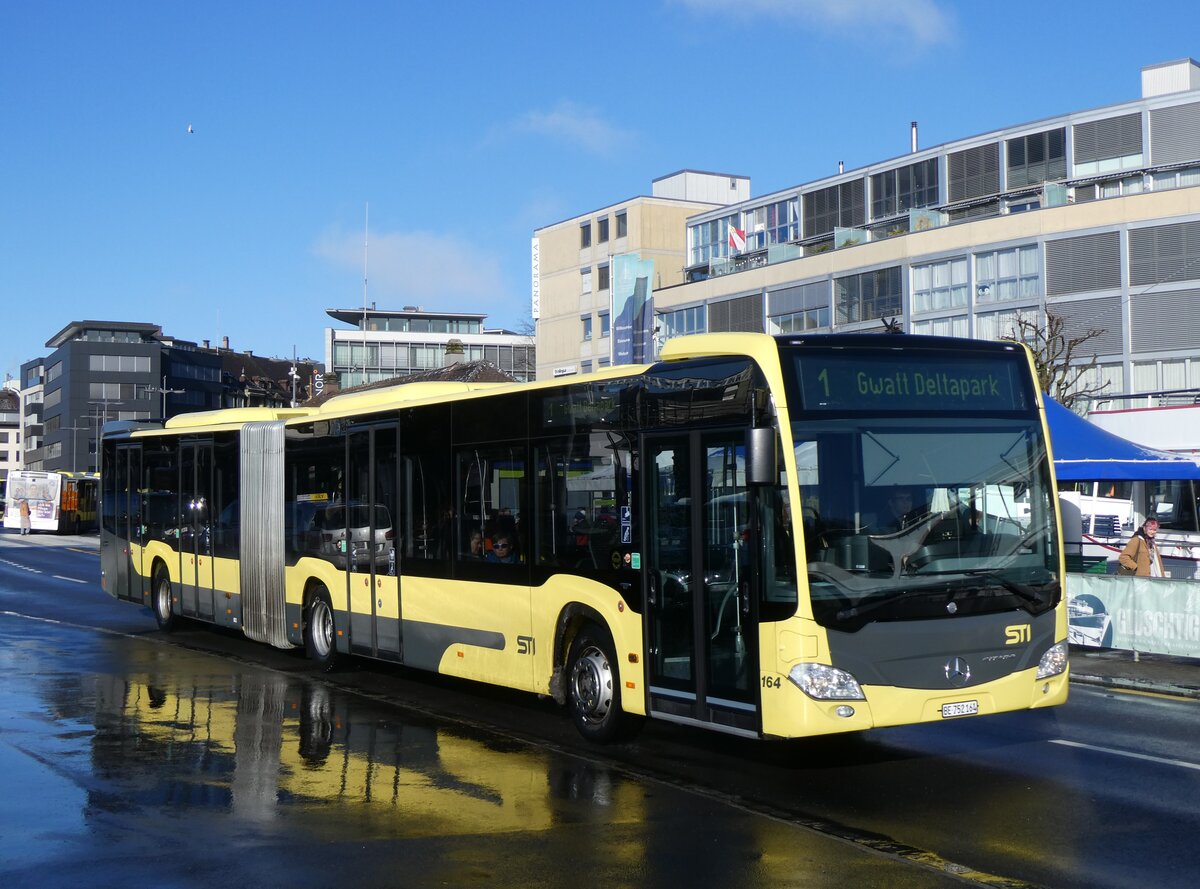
126	510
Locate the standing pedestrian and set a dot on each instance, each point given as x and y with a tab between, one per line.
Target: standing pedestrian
25	519
1141	556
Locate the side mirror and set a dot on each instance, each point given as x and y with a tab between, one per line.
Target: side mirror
762	466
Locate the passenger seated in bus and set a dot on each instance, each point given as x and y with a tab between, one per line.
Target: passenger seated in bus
502	551
474	545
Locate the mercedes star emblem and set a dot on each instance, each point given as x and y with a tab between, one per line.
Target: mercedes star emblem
958	671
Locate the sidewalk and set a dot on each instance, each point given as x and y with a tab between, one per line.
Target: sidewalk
1133	671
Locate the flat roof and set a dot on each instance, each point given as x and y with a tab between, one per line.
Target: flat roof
68	333
353	316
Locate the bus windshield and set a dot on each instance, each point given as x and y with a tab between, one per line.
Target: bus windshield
925	508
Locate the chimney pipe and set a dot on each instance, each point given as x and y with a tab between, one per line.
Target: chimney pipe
914	137
206	344
224	342
841	167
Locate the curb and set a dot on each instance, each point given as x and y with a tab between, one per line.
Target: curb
1144	685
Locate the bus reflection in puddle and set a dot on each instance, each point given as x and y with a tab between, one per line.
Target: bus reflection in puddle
269	748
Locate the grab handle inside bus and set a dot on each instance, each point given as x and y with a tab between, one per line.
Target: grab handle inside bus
761	460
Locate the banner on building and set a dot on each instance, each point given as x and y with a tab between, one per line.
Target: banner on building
535	296
632	309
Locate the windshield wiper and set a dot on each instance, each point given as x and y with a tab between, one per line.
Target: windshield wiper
1022	591
882	602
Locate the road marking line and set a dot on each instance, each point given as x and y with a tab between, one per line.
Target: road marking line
72	579
1129	753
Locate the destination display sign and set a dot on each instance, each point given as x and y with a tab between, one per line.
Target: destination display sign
860	380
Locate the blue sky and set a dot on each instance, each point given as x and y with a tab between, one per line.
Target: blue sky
463	127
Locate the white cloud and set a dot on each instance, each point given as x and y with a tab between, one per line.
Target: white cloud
924	22
417	268
568	122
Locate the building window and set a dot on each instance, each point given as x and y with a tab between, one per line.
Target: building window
1177	179
622	225
585	367
53	398
54	372
956	325
833	207
602	230
868	296
602	277
605	328
682	322
940	285
1037	158
903	189
119	363
586	320
709	240
1108	145
1000	325
585	280
974	172
585	235
1004	275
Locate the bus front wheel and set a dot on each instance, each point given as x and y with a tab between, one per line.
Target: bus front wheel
161	602
319	642
593	686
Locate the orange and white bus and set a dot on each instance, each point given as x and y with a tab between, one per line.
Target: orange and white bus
707	540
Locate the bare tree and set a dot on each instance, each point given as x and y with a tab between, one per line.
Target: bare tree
1061	360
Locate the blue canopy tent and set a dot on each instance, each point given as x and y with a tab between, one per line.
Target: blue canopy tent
1085	452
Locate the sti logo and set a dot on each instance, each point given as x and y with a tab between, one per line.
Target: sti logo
1017	634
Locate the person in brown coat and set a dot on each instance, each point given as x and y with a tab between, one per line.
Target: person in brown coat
1140	555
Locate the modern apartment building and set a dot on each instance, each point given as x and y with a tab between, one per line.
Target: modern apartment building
107	370
1093	215
384	344
10	428
575	261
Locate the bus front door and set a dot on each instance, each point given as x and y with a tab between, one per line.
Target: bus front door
701	618
195	531
372	571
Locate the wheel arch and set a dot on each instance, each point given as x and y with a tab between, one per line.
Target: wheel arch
571	618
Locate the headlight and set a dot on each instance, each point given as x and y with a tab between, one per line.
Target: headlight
1053	662
824	683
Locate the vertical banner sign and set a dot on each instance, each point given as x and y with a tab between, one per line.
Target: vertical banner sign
535	301
632	309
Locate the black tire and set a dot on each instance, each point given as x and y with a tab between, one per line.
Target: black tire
160	602
320	631
594	687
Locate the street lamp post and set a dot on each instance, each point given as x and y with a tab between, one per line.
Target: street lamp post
75	430
100	420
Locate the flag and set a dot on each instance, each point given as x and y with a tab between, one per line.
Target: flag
737	239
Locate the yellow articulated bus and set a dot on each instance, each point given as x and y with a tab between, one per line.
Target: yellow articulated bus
770	537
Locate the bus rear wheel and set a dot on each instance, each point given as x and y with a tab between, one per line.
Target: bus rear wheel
160	602
593	686
319	634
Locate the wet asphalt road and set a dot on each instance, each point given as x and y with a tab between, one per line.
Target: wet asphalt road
197	759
